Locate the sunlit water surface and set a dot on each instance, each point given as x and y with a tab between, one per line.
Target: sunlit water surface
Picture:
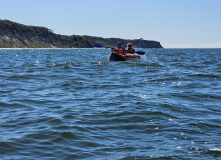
76	104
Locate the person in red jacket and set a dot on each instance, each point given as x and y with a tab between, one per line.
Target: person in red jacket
129	48
119	49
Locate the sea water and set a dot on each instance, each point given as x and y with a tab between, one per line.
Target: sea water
76	104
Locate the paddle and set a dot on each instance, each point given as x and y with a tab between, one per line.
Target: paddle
137	41
139	52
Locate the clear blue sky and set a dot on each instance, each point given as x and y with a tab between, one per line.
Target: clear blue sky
174	23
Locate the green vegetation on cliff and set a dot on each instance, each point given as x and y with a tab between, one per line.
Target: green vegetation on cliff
15	35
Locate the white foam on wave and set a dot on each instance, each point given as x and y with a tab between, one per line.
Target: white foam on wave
215	149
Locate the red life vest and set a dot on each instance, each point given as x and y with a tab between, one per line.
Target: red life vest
120	50
130	50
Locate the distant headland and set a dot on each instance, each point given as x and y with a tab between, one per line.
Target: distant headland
15	35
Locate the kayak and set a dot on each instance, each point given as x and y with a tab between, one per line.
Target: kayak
117	57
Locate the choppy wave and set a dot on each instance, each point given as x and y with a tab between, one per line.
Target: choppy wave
75	104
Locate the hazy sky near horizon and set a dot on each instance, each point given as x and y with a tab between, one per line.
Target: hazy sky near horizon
174	23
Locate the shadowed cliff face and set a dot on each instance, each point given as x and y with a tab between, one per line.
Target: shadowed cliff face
15	35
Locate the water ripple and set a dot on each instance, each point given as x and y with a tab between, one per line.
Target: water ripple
75	104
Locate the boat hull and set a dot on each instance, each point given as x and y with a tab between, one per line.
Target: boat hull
116	57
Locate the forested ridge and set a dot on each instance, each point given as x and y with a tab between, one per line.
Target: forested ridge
15	35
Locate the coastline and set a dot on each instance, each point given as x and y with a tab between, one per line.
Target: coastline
17	35
103	48
46	48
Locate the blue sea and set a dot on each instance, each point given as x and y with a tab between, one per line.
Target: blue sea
76	104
